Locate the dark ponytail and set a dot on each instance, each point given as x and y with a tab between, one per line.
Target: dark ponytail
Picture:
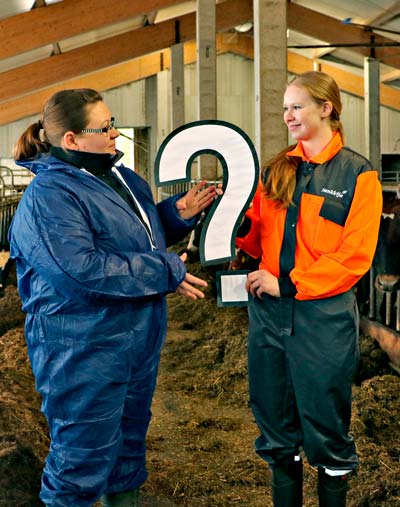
31	143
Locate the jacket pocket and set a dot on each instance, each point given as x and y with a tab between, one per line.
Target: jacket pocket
334	211
329	227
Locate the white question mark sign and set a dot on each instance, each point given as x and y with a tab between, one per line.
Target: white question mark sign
239	161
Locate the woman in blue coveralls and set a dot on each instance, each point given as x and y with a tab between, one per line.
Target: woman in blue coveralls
93	272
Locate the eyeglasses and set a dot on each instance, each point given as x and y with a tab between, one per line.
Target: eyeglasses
101	130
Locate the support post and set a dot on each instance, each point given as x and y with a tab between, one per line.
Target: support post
206	75
270	68
177	86
151	119
372	112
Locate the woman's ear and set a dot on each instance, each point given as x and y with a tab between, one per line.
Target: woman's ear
327	109
69	141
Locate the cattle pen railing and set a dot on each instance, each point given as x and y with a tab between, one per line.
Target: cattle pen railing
176	188
13	182
392	299
391	179
8	205
386	304
389	301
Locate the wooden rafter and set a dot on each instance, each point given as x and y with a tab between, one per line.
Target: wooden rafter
386	16
56	45
142	52
65	19
114	50
149	65
331	30
390	76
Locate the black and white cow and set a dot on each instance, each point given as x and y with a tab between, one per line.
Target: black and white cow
386	262
387	255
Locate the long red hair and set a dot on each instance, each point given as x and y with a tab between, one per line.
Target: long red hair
279	173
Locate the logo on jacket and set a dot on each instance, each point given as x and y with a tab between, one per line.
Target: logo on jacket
335	193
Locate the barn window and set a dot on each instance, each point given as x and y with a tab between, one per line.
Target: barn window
127	146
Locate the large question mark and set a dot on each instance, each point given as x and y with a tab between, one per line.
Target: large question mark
239	162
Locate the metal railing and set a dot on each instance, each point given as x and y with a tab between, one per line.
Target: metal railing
391	306
391	178
389	301
8	205
14	180
169	190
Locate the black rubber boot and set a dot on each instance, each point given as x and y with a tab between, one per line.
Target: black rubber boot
287	485
332	491
124	499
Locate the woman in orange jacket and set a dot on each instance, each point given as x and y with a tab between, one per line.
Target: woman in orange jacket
314	225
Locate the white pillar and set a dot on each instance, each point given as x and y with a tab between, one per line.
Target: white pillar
151	119
206	75
372	112
177	86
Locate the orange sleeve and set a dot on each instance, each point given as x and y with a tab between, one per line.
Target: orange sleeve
334	273
251	243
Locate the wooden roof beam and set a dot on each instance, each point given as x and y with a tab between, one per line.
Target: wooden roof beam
149	65
347	82
390	76
114	50
106	79
44	25
56	46
331	30
384	17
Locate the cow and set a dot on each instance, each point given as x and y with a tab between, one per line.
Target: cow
385	277
387	256
386	263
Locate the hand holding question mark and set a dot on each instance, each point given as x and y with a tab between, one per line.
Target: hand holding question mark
239	161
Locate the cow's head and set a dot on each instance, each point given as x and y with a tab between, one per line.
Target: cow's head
387	256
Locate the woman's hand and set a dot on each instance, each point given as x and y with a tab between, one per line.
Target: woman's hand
197	198
262	281
187	289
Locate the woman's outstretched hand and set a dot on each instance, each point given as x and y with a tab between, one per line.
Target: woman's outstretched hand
197	199
187	289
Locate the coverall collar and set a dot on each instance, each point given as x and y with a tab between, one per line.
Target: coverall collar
330	150
90	161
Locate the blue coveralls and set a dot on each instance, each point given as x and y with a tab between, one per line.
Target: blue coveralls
92	283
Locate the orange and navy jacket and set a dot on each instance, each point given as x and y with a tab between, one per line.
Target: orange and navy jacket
337	226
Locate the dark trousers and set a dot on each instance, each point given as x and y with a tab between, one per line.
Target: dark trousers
302	358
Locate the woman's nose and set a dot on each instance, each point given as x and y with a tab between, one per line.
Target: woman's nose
288	114
114	133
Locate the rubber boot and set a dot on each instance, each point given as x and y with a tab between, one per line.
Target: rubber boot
332	491
287	485
124	499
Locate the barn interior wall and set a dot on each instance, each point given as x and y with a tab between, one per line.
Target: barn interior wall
128	104
235	90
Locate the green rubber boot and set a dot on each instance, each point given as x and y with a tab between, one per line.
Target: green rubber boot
124	499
